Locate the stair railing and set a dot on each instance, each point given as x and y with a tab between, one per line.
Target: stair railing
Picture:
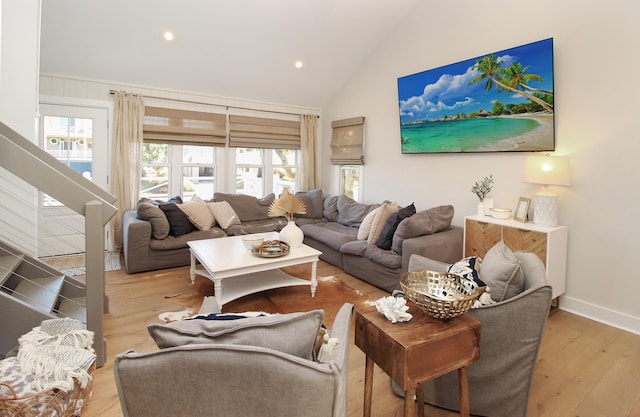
27	161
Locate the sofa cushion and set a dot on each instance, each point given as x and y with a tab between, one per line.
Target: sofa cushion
383	257
367	223
350	212
179	223
380	220
425	222
332	234
224	214
386	237
501	271
198	213
293	333
180	242
273	224
247	207
313	201
148	210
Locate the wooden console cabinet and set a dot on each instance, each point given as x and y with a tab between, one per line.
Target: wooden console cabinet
549	243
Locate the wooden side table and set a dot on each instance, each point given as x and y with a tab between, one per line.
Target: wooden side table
416	351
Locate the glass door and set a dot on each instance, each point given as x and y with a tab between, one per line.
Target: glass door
77	137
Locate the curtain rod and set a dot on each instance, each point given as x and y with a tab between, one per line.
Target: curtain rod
217	105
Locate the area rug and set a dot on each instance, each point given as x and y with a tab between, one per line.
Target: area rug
331	294
74	265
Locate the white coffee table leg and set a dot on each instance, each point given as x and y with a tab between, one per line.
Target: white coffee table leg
192	269
217	291
314	280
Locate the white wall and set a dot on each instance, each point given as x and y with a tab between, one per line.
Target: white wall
20	36
596	58
19	51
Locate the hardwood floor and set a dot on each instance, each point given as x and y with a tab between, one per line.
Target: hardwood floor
585	368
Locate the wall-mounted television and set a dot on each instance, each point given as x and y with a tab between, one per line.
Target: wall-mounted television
497	102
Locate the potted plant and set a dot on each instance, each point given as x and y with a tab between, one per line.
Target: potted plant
287	205
482	188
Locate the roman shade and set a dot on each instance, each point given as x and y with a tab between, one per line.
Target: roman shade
347	141
266	133
184	127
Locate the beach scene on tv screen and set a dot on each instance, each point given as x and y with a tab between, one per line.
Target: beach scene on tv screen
502	101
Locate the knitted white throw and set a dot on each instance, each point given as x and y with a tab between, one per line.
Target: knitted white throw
58	355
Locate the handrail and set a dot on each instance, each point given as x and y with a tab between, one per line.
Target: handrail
32	164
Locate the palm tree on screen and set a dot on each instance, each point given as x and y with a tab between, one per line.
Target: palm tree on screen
491	71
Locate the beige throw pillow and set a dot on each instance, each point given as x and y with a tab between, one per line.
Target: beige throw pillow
367	222
224	214
379	221
198	213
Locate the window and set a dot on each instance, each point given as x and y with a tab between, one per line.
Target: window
185	170
350	181
281	166
70	141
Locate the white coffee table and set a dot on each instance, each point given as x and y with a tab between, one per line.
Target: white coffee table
226	259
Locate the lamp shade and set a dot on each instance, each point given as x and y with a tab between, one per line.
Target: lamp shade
547	170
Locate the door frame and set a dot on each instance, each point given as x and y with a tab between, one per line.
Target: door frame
84	103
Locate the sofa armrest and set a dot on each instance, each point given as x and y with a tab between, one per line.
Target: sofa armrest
136	235
445	246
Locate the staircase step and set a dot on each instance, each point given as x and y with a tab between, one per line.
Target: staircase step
8	264
74	308
40	293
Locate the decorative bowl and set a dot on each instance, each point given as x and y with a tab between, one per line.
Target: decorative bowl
500	213
271	249
440	295
251	241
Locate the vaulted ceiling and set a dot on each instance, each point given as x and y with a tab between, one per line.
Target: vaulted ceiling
230	48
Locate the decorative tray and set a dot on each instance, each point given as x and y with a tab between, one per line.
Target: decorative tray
271	249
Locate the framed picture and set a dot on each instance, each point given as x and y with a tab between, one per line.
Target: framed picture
522	209
497	102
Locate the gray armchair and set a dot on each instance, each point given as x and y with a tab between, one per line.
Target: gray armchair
511	332
234	380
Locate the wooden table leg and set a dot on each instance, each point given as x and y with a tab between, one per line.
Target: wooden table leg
420	400
409	402
463	383
368	386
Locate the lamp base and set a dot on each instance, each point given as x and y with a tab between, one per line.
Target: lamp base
545	209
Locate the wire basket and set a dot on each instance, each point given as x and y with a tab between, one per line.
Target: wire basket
49	403
441	295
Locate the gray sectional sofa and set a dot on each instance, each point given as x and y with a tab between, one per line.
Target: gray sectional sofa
372	242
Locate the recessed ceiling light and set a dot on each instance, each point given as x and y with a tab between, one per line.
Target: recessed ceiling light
168	36
298	64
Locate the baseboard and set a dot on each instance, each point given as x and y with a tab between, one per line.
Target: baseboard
600	314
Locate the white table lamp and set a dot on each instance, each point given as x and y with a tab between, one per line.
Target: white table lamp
547	170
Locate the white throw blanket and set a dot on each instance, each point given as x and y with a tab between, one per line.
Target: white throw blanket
56	352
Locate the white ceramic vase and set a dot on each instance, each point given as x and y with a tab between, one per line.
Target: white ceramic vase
292	235
480	209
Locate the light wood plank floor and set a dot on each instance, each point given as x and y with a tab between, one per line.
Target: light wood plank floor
585	368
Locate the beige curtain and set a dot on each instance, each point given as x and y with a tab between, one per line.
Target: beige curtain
126	161
309	146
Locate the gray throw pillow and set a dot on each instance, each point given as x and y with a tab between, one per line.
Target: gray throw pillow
293	333
350	212
313	201
426	222
247	207
501	271
330	208
148	210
